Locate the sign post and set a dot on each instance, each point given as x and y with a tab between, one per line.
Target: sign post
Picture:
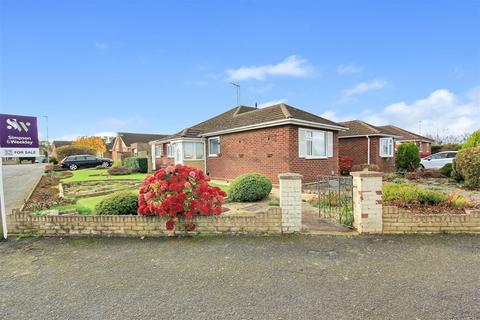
18	138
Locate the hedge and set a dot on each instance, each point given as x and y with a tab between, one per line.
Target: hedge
250	187
137	164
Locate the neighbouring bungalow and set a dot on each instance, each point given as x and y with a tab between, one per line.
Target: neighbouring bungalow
424	144
368	144
270	141
57	144
128	144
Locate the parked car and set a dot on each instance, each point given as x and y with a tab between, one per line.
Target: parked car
41	159
438	160
84	161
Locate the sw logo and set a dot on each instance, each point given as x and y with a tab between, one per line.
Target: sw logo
18	125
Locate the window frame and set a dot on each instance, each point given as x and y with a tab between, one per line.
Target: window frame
213	155
170	150
312	139
158	147
390	147
195	144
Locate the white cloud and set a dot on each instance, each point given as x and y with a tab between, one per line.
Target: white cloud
350	68
292	66
271	103
441	112
101	45
363	87
105	134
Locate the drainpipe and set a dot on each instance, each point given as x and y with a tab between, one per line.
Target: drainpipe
368	150
205	141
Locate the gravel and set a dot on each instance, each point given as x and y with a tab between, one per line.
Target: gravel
291	277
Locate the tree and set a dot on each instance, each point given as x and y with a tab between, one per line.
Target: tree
408	157
95	143
472	141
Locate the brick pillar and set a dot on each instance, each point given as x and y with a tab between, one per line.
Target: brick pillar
291	201
367	201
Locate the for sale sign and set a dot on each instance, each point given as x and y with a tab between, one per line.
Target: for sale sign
18	136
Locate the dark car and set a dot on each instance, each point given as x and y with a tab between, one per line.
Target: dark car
85	161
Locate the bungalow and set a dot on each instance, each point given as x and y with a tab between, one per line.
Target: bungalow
367	144
128	144
270	140
424	144
57	144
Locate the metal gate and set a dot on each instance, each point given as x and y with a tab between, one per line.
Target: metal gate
334	198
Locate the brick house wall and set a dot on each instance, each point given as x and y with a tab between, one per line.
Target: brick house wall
357	149
164	161
269	151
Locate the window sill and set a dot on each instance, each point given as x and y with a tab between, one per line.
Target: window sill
385	156
213	155
316	158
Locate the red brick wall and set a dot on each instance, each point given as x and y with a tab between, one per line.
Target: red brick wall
269	151
164	161
357	149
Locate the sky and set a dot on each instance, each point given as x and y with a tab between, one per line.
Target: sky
98	67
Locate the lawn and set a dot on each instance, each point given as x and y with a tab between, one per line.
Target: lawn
223	187
91	202
100	174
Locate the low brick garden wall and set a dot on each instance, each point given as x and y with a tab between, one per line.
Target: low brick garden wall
398	220
152	226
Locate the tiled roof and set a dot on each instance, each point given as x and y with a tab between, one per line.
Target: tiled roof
130	138
361	128
406	135
243	116
61	143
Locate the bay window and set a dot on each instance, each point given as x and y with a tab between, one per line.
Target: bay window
193	150
170	149
386	147
213	146
158	151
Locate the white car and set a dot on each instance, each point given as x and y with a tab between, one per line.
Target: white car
438	160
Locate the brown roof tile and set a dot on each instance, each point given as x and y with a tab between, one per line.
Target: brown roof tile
361	128
130	138
406	135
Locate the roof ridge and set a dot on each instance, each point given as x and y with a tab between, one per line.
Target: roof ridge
285	111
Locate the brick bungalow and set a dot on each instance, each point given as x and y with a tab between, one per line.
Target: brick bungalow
424	144
270	140
128	144
368	144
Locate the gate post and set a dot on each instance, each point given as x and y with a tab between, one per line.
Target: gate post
367	201
291	201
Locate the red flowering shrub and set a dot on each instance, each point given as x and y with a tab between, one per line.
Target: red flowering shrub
179	190
345	164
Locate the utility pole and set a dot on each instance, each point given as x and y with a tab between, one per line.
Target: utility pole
48	142
237	85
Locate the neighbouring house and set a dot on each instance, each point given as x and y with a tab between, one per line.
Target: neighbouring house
424	144
108	147
368	144
270	141
57	144
128	144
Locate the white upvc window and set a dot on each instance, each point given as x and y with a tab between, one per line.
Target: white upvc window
158	151
213	146
315	144
386	147
170	150
193	151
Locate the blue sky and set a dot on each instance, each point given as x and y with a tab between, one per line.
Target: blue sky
153	66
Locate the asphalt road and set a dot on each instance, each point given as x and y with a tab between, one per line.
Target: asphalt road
297	277
18	181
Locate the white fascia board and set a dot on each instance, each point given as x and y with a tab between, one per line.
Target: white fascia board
369	135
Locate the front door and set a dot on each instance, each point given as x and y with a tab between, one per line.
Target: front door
178	151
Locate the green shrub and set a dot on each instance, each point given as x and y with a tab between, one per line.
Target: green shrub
408	157
137	164
53	160
117	163
72	150
118	203
430	196
250	187
456	171
405	194
472	141
119	171
469	161
446	170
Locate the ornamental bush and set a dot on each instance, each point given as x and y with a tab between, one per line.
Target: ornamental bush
250	187
408	157
137	164
446	170
345	164
179	191
456	171
469	161
118	203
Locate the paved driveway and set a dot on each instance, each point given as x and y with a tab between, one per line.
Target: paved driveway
18	181
297	277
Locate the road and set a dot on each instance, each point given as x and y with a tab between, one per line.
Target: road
18	181
294	277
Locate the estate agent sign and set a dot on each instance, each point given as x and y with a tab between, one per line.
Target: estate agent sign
18	136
